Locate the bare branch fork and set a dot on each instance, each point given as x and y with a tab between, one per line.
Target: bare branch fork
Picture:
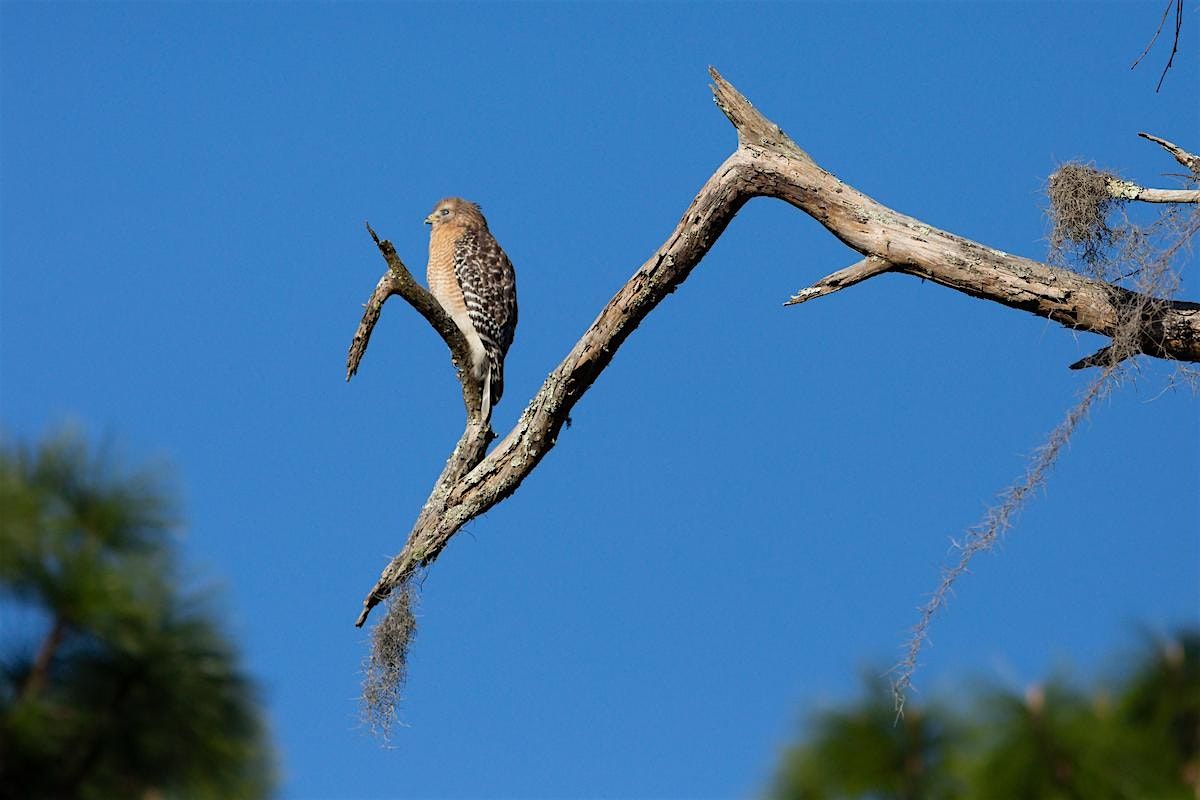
766	163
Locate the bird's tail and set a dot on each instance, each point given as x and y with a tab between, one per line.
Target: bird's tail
493	384
485	393
496	376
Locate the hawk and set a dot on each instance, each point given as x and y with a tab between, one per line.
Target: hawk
472	278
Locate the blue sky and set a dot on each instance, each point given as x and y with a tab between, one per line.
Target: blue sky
752	500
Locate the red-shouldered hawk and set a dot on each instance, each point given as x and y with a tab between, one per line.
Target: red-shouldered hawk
473	279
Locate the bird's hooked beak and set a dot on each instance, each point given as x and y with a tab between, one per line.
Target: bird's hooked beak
429	219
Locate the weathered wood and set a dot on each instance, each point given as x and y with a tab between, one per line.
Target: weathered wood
858	272
1188	160
461	495
766	163
1128	190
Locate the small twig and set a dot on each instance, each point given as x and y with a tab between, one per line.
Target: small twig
1100	358
1188	160
1154	38
358	345
858	272
1174	44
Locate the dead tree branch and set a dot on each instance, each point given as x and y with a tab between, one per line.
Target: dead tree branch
398	280
1128	190
766	163
1188	160
869	267
471	484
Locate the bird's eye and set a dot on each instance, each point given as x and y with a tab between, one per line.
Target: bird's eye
445	211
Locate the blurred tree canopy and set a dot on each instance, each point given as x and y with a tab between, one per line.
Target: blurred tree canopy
114	681
1139	739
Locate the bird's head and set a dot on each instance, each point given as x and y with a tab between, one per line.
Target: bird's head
456	211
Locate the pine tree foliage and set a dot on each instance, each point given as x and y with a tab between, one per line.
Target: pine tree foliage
1139	738
113	681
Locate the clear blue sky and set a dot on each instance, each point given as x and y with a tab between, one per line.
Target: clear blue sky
752	500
